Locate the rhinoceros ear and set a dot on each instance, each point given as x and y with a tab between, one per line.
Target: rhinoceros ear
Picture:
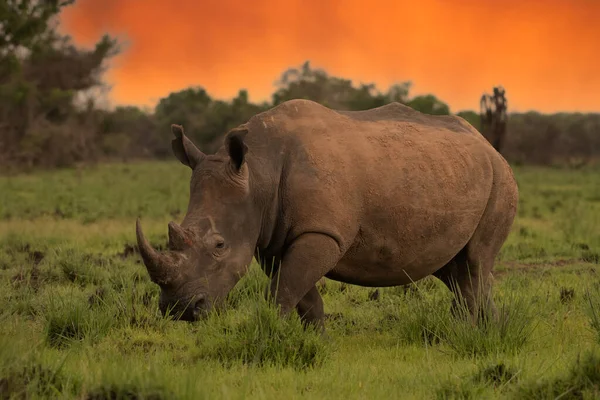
236	147
184	149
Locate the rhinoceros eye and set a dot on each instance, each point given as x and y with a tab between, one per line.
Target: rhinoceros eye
219	246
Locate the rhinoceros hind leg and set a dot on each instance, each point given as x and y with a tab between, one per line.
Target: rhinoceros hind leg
470	284
490	235
458	275
469	274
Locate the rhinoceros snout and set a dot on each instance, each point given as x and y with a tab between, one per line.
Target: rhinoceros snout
201	308
196	309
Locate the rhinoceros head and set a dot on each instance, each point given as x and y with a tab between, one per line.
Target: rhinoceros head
211	249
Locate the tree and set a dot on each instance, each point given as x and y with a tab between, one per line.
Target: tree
429	104
128	131
205	120
399	92
41	73
316	84
471	117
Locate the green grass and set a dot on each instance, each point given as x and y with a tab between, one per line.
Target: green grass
79	316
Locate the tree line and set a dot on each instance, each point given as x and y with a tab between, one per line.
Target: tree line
50	116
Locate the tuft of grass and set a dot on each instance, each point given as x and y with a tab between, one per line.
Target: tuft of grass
420	320
82	268
250	330
566	295
581	382
593	310
261	338
114	376
462	390
26	373
426	319
31	379
253	286
497	374
70	319
590	256
128	392
509	332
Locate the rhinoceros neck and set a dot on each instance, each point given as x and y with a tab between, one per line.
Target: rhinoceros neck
266	176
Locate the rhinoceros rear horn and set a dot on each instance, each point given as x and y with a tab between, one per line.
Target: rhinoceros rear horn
184	149
159	266
177	237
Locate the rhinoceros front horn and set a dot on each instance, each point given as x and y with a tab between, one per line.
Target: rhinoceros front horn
158	266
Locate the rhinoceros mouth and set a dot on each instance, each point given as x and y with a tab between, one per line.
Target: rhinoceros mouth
196	308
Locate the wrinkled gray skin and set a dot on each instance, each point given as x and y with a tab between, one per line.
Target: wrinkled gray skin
382	197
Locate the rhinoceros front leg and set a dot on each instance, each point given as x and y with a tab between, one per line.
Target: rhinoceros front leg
310	308
307	260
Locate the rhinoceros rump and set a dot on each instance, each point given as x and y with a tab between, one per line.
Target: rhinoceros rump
381	197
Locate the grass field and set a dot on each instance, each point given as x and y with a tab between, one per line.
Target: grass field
79	316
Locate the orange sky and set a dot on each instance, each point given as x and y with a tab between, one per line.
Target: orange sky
546	53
